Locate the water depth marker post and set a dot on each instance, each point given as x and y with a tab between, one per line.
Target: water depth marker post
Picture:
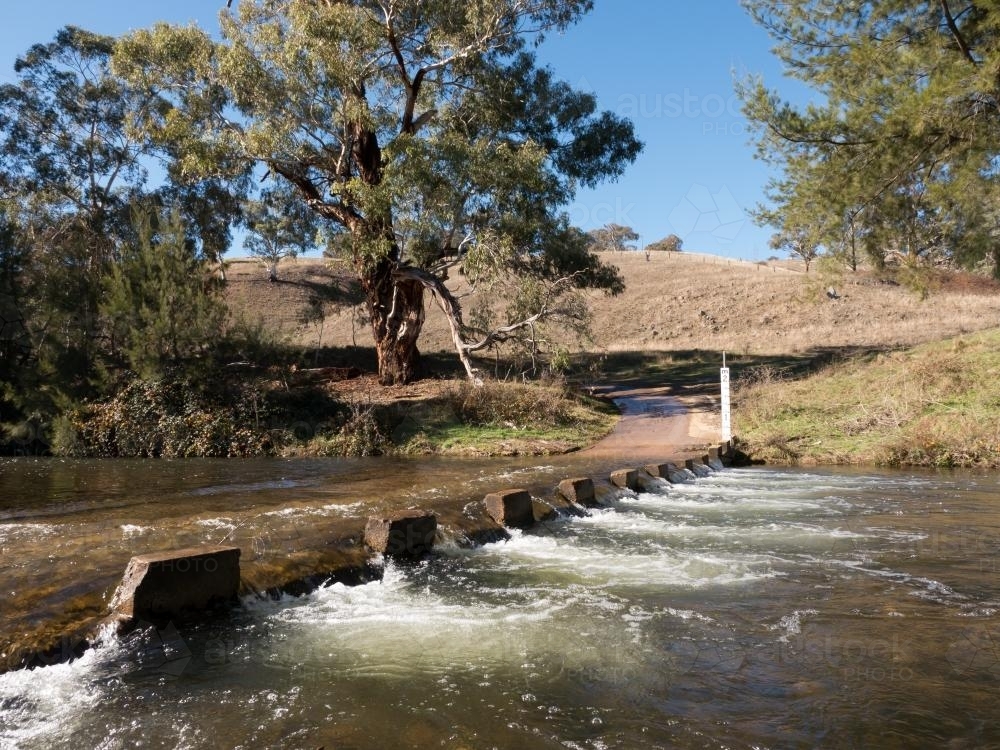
727	425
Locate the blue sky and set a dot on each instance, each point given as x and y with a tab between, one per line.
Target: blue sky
669	66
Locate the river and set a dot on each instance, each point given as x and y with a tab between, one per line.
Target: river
755	608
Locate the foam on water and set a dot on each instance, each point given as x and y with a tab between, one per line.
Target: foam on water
791	624
695	585
41	707
12	531
766	537
217	524
572	559
402	625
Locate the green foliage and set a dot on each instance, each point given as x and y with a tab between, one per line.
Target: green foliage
361	433
897	153
671	244
73	171
170	418
163	310
460	139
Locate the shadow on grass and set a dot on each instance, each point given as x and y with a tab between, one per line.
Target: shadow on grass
433	365
340	292
696	371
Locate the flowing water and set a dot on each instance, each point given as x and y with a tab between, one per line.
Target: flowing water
755	608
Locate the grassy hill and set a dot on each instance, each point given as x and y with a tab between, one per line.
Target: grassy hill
935	404
674	302
875	373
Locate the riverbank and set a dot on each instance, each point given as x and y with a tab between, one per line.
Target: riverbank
299	523
933	405
332	411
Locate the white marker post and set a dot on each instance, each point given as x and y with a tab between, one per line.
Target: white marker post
727	425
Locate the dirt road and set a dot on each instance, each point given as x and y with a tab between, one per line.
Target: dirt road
657	424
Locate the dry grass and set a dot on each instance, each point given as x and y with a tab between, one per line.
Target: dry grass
674	302
933	405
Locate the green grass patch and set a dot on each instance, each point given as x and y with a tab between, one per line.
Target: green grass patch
503	419
932	405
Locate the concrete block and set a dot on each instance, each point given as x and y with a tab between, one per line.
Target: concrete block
626	479
671	472
697	468
175	584
511	508
661	470
579	491
406	534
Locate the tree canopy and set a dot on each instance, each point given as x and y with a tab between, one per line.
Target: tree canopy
671	244
73	174
409	124
898	154
613	238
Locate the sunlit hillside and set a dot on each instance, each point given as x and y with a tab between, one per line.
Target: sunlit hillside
673	301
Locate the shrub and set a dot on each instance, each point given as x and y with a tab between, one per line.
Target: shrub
513	405
169	419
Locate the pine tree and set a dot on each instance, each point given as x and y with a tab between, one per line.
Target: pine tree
164	310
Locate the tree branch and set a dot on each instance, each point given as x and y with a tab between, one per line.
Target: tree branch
453	312
956	32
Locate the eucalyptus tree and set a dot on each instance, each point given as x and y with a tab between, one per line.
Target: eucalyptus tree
670	244
900	147
411	125
73	172
70	173
279	226
614	238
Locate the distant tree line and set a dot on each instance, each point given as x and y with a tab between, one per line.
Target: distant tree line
620	238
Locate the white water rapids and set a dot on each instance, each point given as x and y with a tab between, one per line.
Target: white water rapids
752	608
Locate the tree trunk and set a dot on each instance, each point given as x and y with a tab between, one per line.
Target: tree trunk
396	310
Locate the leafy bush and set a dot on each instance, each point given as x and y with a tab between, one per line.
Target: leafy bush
361	434
169	419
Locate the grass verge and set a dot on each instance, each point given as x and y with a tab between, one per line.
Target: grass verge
453	417
499	419
932	405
